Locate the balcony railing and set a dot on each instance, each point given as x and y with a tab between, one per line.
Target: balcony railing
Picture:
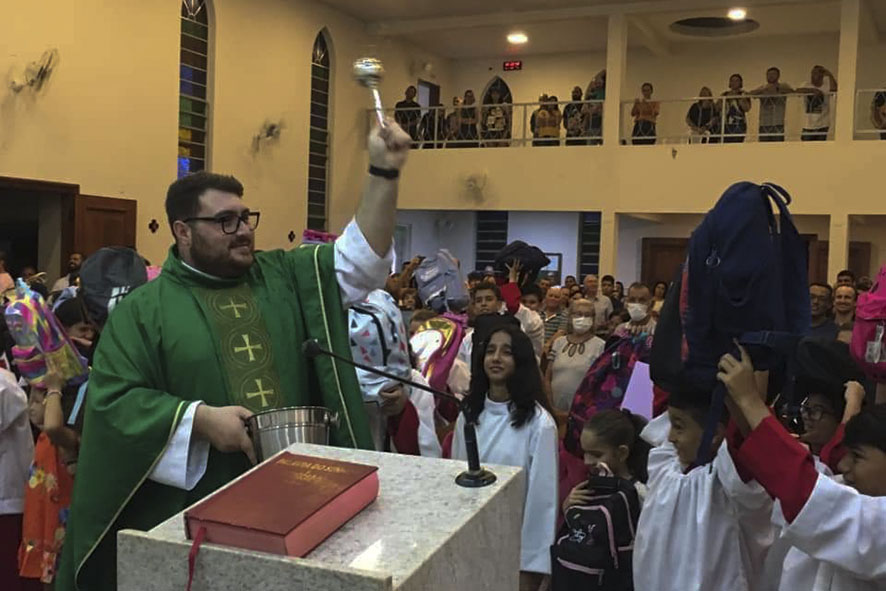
730	119
697	120
577	123
870	114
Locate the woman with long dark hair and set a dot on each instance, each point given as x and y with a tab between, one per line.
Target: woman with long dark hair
515	428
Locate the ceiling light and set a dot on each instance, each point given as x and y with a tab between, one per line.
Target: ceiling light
517	38
737	14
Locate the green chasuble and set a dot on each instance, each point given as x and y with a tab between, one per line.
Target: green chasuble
186	336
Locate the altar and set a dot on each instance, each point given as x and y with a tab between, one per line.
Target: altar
423	532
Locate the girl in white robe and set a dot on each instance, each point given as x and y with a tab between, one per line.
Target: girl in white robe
841	528
515	428
701	527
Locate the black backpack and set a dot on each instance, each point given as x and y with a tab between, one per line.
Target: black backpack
744	278
107	276
531	258
595	546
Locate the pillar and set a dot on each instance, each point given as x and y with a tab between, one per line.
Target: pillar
838	245
608	240
616	59
847	62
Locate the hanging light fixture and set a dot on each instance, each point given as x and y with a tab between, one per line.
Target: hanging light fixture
193	7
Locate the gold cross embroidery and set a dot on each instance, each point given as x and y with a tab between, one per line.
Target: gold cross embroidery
248	347
234	306
261	392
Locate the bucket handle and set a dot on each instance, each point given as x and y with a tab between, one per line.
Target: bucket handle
333	420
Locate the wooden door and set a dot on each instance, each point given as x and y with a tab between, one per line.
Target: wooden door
661	257
103	221
859	260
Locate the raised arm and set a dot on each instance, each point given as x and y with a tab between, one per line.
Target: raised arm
388	148
54	418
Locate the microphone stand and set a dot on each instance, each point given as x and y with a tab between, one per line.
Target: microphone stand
475	476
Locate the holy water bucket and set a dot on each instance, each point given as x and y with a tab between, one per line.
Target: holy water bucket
275	430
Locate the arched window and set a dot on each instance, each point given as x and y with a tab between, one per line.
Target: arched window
318	148
193	102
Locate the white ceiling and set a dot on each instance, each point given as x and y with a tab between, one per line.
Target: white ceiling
547	37
462	29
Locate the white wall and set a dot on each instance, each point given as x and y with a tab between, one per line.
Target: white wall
871	228
456	230
433	230
554	231
632	231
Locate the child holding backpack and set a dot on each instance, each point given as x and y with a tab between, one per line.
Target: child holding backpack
593	548
515	428
835	531
702	526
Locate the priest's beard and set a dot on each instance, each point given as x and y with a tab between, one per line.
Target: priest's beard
223	258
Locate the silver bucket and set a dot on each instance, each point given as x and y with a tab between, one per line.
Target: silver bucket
275	430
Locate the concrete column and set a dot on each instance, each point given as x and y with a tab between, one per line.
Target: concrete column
838	245
608	241
616	59
847	63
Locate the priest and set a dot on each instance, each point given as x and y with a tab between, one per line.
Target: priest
184	360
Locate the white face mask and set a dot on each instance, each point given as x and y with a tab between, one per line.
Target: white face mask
582	324
637	311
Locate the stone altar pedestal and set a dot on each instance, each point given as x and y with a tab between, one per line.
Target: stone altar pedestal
422	533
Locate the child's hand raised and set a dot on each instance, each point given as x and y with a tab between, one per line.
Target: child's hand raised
738	376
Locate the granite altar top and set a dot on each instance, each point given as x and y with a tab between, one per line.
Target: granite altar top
419	507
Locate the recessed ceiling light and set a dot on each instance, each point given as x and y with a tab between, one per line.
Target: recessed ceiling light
737	14
517	38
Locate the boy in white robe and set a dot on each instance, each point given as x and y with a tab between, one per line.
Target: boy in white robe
702	527
842	529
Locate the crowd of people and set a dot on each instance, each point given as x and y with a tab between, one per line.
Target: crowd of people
789	496
709	120
565	331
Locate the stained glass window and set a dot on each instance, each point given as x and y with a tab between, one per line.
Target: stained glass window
318	146
193	103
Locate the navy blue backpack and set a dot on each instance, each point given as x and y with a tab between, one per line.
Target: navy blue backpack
744	278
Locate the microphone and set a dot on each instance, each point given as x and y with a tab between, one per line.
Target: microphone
475	476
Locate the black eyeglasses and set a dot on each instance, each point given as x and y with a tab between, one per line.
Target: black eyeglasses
230	222
813	412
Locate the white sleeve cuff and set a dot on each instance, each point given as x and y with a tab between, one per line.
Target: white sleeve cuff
358	269
184	462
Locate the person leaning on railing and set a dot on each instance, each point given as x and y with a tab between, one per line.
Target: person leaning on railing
645	113
703	118
817	104
453	122
548	121
469	119
496	120
878	112
575	120
735	124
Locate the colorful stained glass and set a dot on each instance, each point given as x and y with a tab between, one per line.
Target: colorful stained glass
184	166
193	82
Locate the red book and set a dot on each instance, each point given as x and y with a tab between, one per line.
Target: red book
286	506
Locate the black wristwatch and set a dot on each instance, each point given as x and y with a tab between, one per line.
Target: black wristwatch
385	173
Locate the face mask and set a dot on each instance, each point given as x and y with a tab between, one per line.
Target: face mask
637	311
582	324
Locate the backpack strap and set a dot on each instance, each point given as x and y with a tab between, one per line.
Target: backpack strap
781	342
